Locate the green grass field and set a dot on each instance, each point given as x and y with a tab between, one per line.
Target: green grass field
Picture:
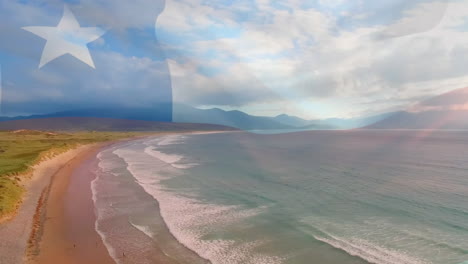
20	150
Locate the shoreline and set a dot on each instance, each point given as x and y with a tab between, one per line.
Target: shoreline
25	223
63	224
64	227
65	232
43	222
136	244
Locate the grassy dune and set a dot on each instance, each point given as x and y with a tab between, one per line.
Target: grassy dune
20	150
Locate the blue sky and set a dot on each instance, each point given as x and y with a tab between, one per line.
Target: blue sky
130	69
314	59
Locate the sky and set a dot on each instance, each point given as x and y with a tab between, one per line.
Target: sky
112	57
309	58
320	58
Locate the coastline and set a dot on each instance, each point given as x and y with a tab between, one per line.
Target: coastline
56	220
65	228
134	242
136	220
21	226
62	224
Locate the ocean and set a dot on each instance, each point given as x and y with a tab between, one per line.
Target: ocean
325	197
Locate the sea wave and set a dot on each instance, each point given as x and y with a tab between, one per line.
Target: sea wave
144	229
174	160
189	219
384	212
104	166
369	252
167	158
361	242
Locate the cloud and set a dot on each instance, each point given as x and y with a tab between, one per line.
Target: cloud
421	19
303	53
315	58
235	87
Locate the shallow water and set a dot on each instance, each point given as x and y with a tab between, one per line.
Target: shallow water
385	197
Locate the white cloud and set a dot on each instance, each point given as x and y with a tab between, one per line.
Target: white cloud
279	55
235	87
305	55
425	17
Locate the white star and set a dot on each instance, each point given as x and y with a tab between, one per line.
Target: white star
67	38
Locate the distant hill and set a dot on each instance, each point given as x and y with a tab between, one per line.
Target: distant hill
446	111
182	114
188	114
342	123
425	120
292	121
320	126
331	123
245	121
102	124
145	114
238	119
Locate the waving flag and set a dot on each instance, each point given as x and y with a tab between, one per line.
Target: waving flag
194	61
99	56
389	189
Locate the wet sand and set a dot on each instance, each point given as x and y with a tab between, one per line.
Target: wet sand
66	232
18	229
66	228
56	221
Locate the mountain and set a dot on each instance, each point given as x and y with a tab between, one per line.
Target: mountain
320	126
103	124
292	121
241	120
188	114
158	114
425	120
351	123
238	119
181	114
446	111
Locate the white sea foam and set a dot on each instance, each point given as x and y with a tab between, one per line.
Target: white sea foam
109	247
353	240
94	191
369	212
379	240
172	159
170	140
190	219
370	252
106	165
184	166
167	158
144	229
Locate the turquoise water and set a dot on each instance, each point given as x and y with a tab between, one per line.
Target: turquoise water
384	197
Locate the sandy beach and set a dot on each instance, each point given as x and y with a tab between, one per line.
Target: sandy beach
31	215
65	232
56	220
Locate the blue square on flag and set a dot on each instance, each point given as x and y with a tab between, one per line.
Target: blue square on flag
92	58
